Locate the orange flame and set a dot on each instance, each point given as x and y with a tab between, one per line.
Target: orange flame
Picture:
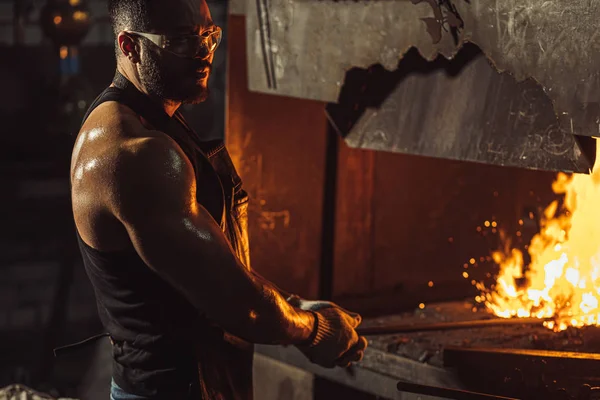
562	281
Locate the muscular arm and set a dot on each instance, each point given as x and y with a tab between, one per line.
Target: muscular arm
286	295
154	196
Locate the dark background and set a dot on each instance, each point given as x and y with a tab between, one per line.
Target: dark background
46	299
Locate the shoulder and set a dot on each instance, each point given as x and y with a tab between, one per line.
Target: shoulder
152	179
151	176
114	118
152	159
113	132
121	158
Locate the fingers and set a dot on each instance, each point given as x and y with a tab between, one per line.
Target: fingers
353	319
355	354
316	305
294	300
357	318
350	313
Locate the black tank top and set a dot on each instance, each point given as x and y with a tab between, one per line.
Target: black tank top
162	346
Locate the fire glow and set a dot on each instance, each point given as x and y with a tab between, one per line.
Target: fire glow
562	282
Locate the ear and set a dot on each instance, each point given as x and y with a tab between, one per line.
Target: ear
129	48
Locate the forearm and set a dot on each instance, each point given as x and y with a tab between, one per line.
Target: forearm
266	317
261	279
243	303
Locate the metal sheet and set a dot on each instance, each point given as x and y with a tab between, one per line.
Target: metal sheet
540	87
377	373
460	109
303	48
525	374
237	7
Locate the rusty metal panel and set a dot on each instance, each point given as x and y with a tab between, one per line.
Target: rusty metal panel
423	220
460	109
278	147
353	247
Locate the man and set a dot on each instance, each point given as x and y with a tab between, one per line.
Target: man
161	223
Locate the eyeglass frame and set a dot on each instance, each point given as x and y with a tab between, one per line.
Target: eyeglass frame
162	40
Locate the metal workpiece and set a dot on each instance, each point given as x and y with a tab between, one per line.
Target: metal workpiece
530	86
311	44
459	109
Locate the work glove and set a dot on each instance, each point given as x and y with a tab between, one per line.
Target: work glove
334	341
315	305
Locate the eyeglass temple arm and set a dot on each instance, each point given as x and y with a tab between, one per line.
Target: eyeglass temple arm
157	39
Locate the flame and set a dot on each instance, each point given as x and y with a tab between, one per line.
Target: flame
562	282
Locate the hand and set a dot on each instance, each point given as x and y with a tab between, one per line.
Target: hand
355	354
316	305
336	342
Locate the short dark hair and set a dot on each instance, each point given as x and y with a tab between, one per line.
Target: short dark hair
129	14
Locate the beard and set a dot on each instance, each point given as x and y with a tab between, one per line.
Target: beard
168	76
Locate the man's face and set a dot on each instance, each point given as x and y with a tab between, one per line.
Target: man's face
170	76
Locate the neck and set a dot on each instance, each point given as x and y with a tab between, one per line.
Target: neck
170	106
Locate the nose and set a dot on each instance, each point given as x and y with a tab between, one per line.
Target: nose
204	52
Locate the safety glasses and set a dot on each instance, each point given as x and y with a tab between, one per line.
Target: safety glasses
190	46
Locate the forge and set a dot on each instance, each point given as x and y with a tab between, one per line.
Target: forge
435	353
489	93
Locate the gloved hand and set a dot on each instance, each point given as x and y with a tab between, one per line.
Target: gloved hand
335	341
315	305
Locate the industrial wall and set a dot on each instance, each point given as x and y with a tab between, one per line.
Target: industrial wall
400	221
